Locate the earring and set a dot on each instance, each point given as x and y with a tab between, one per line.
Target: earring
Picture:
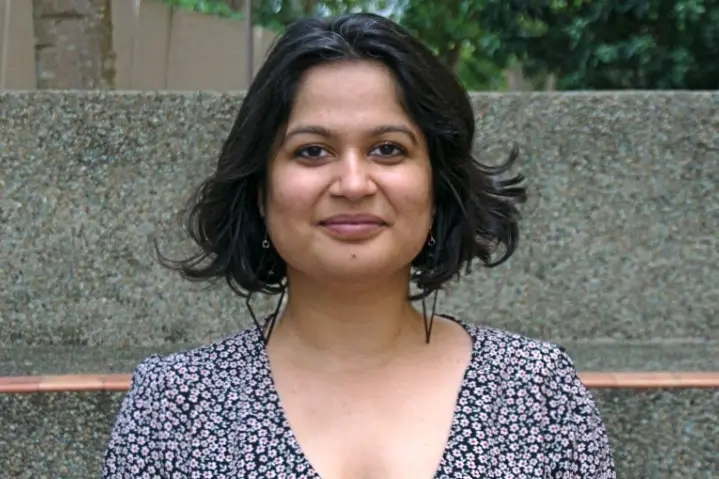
267	256
431	242
429	320
272	319
268	325
251	310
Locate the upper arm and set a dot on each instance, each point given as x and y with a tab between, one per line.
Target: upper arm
135	447
580	445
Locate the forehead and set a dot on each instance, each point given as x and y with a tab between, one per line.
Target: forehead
348	94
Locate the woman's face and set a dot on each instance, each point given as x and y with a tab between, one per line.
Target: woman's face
349	196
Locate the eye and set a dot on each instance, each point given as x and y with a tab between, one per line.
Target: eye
387	149
311	152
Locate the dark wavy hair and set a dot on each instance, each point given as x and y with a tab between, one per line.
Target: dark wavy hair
476	206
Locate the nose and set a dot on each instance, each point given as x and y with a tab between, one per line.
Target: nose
353	179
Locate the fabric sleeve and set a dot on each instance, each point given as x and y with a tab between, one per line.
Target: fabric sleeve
135	449
580	446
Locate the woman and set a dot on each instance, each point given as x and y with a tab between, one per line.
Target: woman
347	181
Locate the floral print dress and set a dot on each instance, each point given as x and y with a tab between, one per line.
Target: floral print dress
213	412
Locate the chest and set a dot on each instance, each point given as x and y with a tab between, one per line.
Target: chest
494	433
391	425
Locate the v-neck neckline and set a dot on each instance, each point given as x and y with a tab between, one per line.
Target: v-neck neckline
454	430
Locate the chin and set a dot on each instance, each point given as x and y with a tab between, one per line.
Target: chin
360	269
353	263
354	269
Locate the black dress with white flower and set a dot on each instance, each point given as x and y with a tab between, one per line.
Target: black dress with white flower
213	412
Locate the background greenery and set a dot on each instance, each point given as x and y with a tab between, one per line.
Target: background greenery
538	44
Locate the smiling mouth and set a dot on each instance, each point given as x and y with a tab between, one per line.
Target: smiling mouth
356	228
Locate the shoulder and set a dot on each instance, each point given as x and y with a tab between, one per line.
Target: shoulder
223	360
521	362
513	351
539	376
171	399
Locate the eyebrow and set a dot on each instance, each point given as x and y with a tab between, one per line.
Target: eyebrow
322	131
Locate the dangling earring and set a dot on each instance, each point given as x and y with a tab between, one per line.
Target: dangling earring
272	319
429	320
265	329
261	328
251	310
266	246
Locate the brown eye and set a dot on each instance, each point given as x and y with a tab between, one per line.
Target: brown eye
387	149
311	152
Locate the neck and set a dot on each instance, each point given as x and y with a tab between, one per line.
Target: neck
355	325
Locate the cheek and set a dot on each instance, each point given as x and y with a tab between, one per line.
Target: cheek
290	200
414	212
412	197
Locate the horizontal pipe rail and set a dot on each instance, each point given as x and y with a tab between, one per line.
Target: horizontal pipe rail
593	380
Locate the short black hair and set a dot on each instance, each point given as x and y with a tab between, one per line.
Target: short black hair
476	205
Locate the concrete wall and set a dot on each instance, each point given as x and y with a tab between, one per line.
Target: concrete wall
620	239
617	262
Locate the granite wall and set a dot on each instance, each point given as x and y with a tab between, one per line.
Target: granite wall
619	242
656	434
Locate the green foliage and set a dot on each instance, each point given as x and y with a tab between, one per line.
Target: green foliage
585	44
219	8
607	44
453	29
277	14
478	71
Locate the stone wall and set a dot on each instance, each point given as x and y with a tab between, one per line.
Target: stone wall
619	240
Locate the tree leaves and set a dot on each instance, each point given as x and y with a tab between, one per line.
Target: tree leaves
606	44
587	44
221	8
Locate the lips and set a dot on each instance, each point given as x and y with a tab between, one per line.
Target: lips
353	227
363	219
